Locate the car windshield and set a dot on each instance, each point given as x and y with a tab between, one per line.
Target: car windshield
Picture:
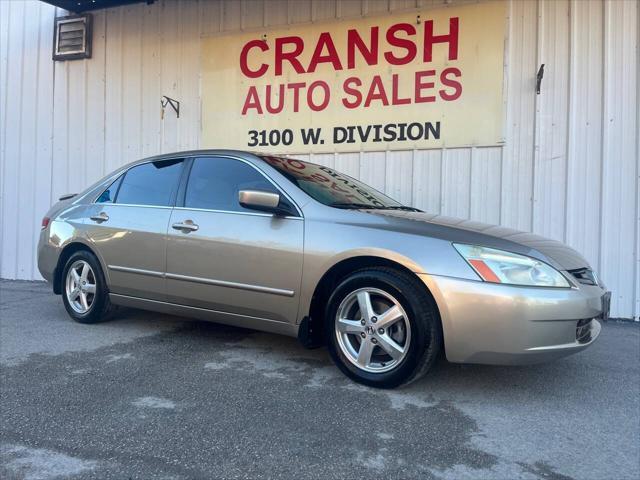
332	188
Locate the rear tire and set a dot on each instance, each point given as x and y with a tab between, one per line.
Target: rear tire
84	290
397	338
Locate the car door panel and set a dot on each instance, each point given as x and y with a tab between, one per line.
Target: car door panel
132	244
236	263
128	227
232	259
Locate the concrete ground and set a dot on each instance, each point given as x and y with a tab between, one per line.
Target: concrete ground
151	396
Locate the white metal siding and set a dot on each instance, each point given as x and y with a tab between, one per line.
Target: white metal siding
568	170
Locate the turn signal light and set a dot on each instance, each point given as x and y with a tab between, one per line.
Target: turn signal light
45	222
485	272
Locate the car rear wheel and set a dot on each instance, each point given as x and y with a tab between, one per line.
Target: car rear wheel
85	295
383	327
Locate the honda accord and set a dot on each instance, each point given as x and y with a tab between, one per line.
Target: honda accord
291	247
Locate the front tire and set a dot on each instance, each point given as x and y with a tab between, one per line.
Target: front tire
84	289
383	328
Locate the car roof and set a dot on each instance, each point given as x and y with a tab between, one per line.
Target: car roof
196	153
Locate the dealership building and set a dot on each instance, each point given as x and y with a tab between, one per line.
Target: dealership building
522	113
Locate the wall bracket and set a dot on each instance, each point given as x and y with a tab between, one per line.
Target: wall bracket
164	101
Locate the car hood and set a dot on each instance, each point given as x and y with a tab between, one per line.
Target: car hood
467	231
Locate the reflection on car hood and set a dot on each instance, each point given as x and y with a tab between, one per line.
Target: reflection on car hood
552	251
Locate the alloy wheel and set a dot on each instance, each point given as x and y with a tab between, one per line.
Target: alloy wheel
373	330
80	286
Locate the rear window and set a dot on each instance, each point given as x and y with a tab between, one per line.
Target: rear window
153	183
109	195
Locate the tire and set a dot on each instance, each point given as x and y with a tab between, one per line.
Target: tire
96	306
417	330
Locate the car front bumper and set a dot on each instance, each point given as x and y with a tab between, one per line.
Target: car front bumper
511	325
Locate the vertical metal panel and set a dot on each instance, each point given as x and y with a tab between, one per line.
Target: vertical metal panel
373	169
44	130
188	70
399	176
13	33
276	13
323	10
327	159
349	8
568	169
401	4
253	13
299	11
26	126
170	75
585	130
375	6
427	175
231	15
113	117
95	105
60	178
517	168
486	173
348	163
211	17
550	150
456	182
151	90
76	119
619	253
132	87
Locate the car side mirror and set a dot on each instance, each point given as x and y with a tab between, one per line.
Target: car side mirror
263	201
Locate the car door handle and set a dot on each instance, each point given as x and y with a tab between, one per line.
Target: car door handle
101	217
187	225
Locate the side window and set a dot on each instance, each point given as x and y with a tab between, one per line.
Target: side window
151	183
109	195
214	184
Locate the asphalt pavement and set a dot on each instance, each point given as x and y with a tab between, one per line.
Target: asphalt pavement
153	396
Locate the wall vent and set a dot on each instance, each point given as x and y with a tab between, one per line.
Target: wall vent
72	37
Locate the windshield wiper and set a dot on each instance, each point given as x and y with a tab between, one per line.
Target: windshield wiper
359	206
364	206
402	207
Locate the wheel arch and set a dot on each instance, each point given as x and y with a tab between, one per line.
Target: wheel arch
311	330
65	254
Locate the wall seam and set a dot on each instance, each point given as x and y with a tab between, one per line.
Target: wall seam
104	96
19	124
535	158
570	80
36	131
3	146
141	75
604	131
637	172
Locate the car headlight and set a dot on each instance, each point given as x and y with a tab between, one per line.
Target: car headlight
498	266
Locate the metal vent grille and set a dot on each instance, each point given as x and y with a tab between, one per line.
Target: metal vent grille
72	37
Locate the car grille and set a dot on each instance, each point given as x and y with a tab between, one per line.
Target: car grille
586	276
583	330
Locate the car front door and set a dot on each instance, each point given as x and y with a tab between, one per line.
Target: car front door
128	227
229	258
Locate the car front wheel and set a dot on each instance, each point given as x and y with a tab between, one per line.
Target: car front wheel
383	327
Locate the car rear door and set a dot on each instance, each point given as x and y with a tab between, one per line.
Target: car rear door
231	259
128	227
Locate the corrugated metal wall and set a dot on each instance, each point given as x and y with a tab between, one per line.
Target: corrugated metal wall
569	168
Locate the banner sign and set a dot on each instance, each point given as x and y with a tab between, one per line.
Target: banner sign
425	79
